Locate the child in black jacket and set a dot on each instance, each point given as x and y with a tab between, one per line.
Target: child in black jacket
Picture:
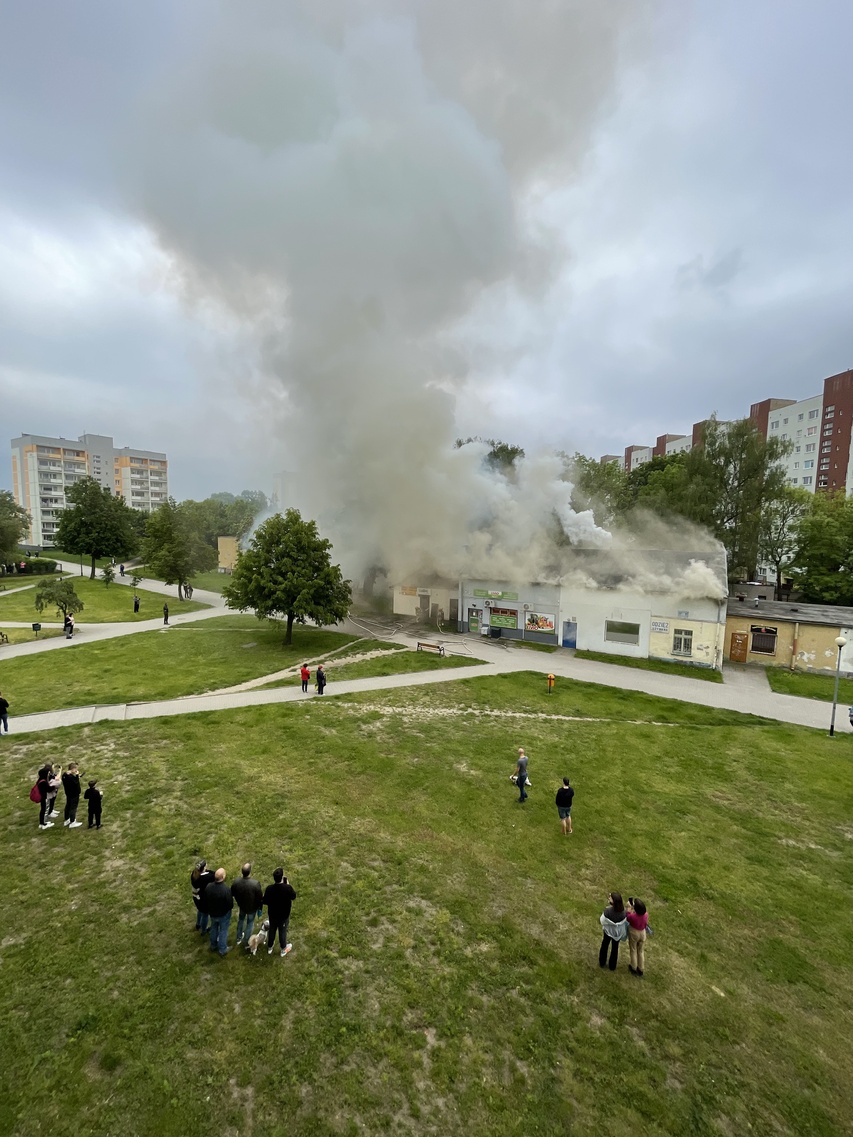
94	796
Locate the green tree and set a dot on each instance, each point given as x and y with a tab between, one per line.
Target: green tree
599	486
135	581
778	531
174	548
58	594
823	557
96	523
287	574
14	523
728	483
108	575
502	456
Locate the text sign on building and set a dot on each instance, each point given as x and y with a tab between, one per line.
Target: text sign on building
504	618
406	591
495	595
660	625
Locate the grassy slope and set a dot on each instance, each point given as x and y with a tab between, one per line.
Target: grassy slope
393	663
687	670
444	978
27	635
809	686
187	659
102	604
212	581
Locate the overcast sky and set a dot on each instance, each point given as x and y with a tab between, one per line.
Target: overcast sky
708	235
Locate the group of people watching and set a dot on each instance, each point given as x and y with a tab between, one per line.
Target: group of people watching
214	901
46	789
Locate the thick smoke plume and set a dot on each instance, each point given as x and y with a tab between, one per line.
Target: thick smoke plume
351	178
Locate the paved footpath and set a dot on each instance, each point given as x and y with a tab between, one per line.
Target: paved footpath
734	696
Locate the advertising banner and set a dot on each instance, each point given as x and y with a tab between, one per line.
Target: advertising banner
504	618
540	622
495	595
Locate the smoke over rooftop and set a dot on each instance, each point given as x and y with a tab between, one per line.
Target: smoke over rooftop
351	180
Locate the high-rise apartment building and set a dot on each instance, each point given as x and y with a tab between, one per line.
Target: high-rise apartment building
819	428
43	468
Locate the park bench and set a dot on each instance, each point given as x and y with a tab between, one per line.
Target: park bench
423	645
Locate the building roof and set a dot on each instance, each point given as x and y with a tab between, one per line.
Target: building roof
826	614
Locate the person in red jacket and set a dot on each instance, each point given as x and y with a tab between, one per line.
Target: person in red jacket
306	675
638	921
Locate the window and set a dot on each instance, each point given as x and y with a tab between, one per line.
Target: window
811	447
682	641
811	430
784	436
793	481
830	409
796	465
809	465
797	449
799	418
784	422
813	414
774	425
618	632
763	640
807	481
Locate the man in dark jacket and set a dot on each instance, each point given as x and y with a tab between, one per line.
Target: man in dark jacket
200	878
563	801
219	903
71	785
278	899
250	898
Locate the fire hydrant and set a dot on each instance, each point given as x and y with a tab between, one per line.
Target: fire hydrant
550	684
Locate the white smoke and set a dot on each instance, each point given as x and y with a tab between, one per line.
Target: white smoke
350	177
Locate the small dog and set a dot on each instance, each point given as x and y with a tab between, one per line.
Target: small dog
514	779
259	938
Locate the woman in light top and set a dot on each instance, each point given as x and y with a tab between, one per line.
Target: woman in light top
614	924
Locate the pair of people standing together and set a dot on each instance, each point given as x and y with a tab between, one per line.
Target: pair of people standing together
319	678
618	924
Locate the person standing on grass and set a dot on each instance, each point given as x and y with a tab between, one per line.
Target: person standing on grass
615	928
94	797
4	713
54	781
165	613
321	679
565	795
71	785
250	898
278	900
43	787
305	675
220	904
135	603
521	774
638	921
200	878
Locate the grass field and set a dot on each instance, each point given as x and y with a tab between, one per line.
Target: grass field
391	662
27	635
686	670
810	686
75	558
186	659
212	581
102	604
444	977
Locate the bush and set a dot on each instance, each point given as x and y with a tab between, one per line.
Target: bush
33	566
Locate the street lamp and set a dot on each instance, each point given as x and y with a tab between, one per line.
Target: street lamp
840	641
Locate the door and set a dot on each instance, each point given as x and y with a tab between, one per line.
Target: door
474	617
570	633
454	611
423	605
739	644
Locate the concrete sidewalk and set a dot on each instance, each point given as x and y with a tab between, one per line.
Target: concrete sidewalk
783	708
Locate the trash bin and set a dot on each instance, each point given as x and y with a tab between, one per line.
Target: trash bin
495	633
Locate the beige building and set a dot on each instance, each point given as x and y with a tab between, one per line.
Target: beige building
800	636
228	547
43	468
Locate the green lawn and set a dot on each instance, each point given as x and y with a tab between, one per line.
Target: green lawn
444	976
102	604
810	686
687	670
75	558
212	581
186	659
27	635
391	663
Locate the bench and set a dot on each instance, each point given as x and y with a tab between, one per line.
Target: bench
424	646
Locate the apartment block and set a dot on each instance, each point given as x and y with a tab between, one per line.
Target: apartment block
819	428
43	468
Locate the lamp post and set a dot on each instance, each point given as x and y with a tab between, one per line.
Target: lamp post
840	641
